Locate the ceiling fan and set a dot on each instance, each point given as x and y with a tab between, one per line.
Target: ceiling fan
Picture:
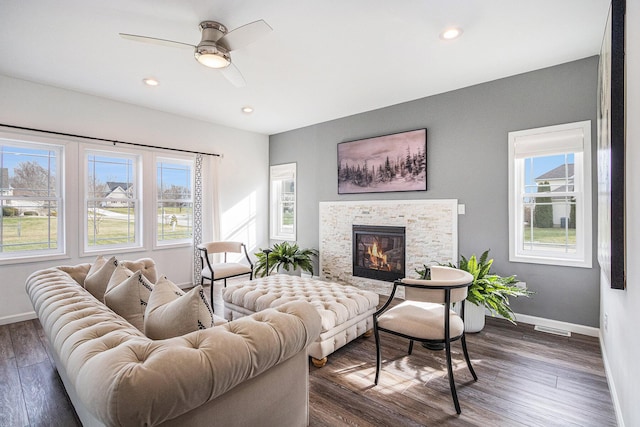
216	45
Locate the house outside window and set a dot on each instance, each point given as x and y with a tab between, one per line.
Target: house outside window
31	182
174	201
111	201
283	202
550	195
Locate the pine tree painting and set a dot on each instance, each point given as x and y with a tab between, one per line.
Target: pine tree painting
395	162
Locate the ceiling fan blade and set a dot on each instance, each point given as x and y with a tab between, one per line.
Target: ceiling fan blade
234	75
242	36
153	40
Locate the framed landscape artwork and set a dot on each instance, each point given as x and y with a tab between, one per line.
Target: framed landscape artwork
396	162
611	148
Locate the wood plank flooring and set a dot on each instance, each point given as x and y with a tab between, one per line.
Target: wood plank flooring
526	378
31	392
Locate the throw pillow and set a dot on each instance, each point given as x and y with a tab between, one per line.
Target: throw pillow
146	265
129	297
99	275
77	272
172	313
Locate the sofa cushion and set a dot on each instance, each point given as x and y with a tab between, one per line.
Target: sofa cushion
129	297
77	272
99	275
146	265
171	313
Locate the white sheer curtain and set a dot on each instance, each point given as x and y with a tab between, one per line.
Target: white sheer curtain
206	208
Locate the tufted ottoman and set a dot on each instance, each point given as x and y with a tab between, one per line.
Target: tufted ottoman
346	311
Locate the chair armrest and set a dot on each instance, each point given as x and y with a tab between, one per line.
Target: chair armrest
244	248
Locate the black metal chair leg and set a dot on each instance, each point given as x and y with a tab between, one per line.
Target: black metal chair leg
466	357
410	347
378	355
452	383
211	300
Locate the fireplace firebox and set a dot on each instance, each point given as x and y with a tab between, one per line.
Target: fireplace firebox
379	252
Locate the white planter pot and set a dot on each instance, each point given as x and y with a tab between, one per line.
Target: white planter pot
473	317
296	272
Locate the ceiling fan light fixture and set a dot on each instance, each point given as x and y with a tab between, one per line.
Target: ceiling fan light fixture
212	56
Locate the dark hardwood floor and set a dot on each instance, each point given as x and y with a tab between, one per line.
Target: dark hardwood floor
526	378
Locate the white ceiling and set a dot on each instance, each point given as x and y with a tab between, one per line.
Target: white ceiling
323	60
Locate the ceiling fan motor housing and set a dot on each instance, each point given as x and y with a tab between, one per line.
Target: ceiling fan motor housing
212	30
208	52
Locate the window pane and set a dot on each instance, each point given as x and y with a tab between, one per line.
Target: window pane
111	201
175	202
555	171
29	196
175	223
30	226
538	236
110	225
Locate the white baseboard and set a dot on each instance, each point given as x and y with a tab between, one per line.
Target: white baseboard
612	386
5	320
556	324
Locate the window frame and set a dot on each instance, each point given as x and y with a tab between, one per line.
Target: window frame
278	174
137	161
175	159
542	142
60	148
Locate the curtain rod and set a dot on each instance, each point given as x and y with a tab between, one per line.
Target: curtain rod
114	141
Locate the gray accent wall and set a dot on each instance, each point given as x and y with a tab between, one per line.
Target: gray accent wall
467	159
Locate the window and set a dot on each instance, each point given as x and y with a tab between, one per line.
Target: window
31	183
174	201
550	195
283	202
111	200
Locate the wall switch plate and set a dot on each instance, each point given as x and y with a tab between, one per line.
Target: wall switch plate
461	209
606	322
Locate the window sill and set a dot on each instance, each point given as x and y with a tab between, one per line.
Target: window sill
181	244
33	258
551	261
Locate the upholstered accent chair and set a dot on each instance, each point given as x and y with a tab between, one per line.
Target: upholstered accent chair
223	270
426	316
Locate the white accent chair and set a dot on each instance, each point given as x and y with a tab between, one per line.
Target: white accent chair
224	270
426	316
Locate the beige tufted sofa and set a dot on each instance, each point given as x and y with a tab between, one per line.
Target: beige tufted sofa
249	372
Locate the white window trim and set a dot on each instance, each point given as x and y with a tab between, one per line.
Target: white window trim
278	173
541	141
178	159
85	249
60	147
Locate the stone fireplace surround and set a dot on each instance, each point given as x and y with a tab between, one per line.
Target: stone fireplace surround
431	235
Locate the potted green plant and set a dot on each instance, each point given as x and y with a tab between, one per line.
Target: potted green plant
284	256
488	290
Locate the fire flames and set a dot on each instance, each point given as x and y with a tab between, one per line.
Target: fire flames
378	258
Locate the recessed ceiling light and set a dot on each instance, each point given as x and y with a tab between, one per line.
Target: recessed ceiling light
150	81
451	33
247	109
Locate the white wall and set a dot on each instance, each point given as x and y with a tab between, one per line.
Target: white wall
621	341
243	170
